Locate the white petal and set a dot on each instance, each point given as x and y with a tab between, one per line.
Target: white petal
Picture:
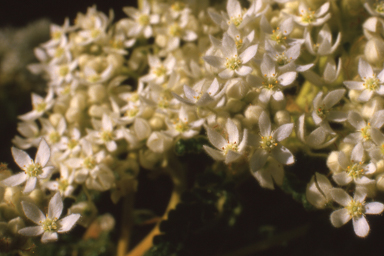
283	132
374	208
232	156
43	153
214	61
30	185
49	237
264	178
356	120
287	78
364	69
249	53
342	178
67	223
214	153
357	153
243	70
111	145
258	160
337	116
340	196
340	217
354	85
264	124
278	96
55	206
226	73
283	155
365	95
229	46
233	132
21	158
32	212
31	231
333	97
361	227
15	180
216	139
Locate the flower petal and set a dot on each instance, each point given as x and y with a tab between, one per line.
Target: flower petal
340	196
15	180
374	208
283	132
32	212
21	158
283	155
264	124
248	54
340	217
43	153
31	231
67	223
214	153
30	185
55	206
360	226
49	237
258	160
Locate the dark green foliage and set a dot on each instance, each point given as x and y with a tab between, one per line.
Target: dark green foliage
201	221
188	146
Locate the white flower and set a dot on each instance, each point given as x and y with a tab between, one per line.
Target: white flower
230	147
159	70
323	44
270	144
318	191
307	17
232	62
375	8
64	185
40	106
331	73
354	208
272	171
143	20
272	83
50	224
322	113
354	170
371	83
183	126
363	129
200	94
105	133
33	169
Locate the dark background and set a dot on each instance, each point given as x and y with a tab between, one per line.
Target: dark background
268	208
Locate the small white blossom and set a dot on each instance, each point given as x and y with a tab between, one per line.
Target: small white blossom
308	17
354	208
50	224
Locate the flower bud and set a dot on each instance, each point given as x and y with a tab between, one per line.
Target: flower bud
374	51
97	111
252	113
372	106
15	225
55	119
73	115
333	162
346	148
149	159
158	142
156	123
79	101
318	191
107	222
96	93
380	166
234	105
282	117
353	95
236	89
87	210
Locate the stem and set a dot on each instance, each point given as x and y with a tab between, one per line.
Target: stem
179	183
127	223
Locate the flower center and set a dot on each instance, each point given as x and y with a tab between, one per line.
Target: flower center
372	83
270	82
160	71
95	33
63	70
116	44
181	126
178	6
175	30
230	146
236	20
40	107
34	169
56	35
355	171
59	52
131	112
49	224
233	63
281	59
63	184
267	143
72	144
379	7
322	112
89	163
278	36
106	136
356	208
93	78
366	132
54	137
307	16
143	20
238	42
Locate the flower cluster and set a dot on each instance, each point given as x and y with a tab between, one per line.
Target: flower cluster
251	80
